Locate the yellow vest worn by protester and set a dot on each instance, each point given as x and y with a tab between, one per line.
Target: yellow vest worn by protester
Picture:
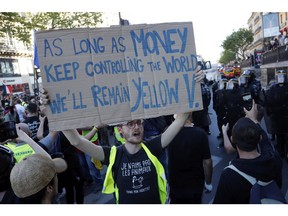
118	135
20	150
109	185
94	138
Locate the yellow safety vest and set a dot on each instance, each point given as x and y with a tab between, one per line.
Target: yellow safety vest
94	138
118	135
109	185
20	150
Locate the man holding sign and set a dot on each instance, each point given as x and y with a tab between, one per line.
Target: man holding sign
129	73
134	173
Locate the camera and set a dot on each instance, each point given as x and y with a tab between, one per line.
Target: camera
247	101
201	64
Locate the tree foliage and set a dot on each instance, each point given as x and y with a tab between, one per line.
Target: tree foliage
227	56
14	25
20	25
238	42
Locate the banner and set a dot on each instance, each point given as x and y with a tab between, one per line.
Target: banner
109	75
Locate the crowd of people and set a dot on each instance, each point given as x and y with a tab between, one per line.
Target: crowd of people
154	161
281	40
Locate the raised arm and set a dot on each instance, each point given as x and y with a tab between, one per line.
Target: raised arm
84	145
92	133
26	138
173	129
40	131
76	139
227	143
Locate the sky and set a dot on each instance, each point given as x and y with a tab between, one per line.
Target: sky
213	20
210	30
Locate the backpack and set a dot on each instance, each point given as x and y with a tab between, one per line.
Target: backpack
262	192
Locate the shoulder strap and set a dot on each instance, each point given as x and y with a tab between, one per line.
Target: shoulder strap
249	178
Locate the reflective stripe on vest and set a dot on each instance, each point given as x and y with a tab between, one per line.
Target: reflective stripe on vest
109	185
20	150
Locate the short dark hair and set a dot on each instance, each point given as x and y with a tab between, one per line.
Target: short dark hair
32	108
246	134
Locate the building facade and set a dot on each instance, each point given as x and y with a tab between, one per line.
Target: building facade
16	65
17	61
266	60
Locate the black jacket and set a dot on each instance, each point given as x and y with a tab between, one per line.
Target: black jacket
235	189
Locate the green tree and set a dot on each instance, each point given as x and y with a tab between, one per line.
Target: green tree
20	25
227	56
14	25
238	42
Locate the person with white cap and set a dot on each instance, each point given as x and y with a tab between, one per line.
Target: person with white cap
34	179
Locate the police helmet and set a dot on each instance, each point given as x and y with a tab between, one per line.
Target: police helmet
232	84
218	77
281	76
243	79
7	162
222	83
247	73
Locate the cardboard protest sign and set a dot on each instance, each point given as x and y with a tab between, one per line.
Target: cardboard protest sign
109	75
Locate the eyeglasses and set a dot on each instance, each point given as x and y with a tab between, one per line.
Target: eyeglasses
132	124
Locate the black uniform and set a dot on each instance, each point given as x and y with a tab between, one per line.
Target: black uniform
276	101
234	107
201	118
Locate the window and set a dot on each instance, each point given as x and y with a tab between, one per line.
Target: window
8	66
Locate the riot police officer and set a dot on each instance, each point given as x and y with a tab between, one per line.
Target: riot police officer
218	104
233	104
201	118
276	101
248	83
267	117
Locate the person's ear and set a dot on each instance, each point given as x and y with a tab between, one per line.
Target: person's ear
50	189
120	129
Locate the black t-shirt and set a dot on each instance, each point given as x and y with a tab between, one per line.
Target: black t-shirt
136	175
33	123
186	153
